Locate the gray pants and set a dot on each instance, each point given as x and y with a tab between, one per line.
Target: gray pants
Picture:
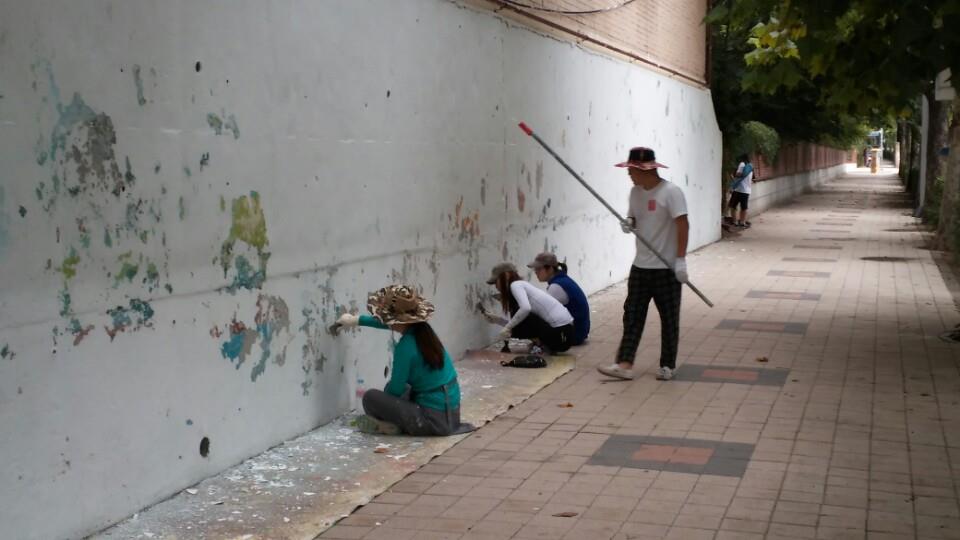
410	417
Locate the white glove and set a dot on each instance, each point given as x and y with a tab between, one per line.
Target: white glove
680	269
627	226
349	320
505	333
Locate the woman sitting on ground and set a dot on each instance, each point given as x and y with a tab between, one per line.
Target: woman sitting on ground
422	396
566	291
536	315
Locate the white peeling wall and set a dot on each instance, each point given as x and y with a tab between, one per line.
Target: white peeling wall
190	192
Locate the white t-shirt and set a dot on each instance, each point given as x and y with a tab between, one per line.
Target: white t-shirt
747	182
557	292
655	212
531	299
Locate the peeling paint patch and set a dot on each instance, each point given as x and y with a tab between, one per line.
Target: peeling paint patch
138	81
248	226
538	175
69	265
78	330
219	124
204	160
7	353
138	315
272	318
483	191
182	209
128	270
85	140
4	223
521	199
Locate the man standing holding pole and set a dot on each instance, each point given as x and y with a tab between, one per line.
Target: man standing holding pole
658	213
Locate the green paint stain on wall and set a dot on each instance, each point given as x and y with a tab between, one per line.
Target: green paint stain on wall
248	226
152	278
182	208
69	265
65	301
85	240
218	124
107	241
127	271
143	236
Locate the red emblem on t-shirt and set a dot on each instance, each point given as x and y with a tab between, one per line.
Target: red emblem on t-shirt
652	205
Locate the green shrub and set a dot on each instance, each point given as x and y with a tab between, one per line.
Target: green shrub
756	137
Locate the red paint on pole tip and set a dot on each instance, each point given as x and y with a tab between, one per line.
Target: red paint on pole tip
526	129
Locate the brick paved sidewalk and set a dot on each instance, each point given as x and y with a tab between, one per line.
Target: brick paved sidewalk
850	429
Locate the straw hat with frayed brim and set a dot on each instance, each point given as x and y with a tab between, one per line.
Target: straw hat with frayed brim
500	269
399	304
642	158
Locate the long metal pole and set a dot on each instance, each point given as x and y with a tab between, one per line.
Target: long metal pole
526	129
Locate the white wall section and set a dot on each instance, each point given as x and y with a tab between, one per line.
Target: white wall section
190	192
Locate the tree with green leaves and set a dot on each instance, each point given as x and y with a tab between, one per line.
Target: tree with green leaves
869	59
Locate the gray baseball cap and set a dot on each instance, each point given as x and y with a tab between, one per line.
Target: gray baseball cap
544	259
500	269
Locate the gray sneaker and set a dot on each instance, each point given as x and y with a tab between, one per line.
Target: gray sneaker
368	424
664	374
616	372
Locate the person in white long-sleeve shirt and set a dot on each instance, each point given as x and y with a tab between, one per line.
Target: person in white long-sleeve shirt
535	315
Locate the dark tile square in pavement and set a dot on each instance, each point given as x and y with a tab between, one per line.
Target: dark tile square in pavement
808	259
672	454
831	238
762	326
831	231
730	374
781	295
798	273
811	246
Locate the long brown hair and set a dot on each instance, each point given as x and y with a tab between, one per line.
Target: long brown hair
507	301
429	344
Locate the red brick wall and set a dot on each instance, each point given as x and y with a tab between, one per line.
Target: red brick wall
665	34
795	158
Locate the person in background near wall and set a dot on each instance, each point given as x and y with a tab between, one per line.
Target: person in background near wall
740	191
422	396
566	291
658	211
536	315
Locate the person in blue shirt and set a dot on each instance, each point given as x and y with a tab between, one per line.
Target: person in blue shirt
422	396
564	289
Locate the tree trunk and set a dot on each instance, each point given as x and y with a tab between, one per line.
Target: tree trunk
937	139
903	141
948	230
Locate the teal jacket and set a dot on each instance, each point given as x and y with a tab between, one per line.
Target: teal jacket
409	368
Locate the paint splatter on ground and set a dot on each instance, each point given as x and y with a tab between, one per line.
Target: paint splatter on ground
300	488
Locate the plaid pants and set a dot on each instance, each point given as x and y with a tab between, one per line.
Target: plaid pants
662	286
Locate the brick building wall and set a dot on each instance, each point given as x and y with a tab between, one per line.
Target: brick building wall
667	35
795	158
